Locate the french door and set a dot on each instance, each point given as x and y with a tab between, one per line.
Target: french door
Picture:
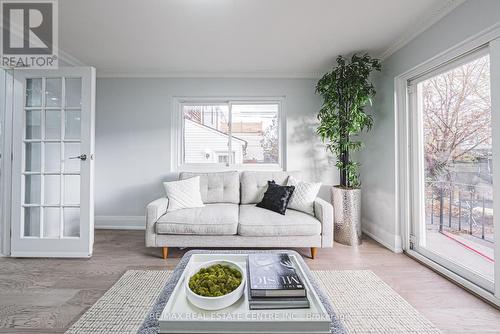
453	151
52	163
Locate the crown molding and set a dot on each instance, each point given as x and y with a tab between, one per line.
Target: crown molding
433	16
103	73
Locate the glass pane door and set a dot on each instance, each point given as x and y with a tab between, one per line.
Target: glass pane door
456	226
52	146
52	206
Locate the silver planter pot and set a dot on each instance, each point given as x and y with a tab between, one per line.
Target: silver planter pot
347	213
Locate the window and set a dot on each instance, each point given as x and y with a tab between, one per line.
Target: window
223	157
250	130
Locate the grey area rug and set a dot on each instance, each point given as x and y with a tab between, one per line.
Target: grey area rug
361	300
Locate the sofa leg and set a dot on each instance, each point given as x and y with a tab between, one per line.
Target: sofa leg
314	251
164	252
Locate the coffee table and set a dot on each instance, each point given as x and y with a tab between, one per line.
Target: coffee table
173	313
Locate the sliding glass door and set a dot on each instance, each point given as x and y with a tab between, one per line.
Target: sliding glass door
452	167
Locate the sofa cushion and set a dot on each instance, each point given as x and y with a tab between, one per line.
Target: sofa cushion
183	194
258	222
303	195
254	184
223	187
276	197
212	219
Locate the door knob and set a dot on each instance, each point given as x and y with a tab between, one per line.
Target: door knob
82	157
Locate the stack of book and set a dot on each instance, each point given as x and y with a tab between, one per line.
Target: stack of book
273	283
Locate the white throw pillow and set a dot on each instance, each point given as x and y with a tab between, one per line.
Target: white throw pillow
183	194
303	196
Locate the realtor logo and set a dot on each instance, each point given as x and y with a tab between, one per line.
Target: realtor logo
29	34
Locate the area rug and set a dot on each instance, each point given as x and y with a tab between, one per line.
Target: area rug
363	302
366	304
124	306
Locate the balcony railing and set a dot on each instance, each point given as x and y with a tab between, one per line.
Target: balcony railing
460	208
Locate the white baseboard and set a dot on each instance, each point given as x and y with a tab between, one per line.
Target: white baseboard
390	241
120	222
52	254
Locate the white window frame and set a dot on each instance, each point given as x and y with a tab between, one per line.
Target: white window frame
407	155
177	133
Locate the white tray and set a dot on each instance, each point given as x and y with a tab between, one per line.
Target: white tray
180	316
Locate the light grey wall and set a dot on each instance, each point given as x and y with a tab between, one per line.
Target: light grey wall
378	159
133	134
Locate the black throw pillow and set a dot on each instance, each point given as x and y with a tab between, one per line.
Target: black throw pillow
276	197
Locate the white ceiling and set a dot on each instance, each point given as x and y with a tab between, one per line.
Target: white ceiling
282	38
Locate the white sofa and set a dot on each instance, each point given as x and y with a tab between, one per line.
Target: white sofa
231	219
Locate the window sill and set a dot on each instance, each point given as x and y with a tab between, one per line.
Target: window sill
224	168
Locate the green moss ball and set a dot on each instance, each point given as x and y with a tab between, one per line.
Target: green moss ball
214	281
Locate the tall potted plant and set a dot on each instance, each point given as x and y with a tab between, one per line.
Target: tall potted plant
346	90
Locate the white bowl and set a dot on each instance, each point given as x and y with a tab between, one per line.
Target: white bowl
215	303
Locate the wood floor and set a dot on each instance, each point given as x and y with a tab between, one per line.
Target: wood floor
47	295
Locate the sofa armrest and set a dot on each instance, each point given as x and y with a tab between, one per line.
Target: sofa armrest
324	212
154	211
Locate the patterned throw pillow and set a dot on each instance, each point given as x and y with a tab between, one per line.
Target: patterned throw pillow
183	194
303	196
276	197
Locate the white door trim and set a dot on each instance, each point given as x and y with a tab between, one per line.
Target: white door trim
3	223
6	92
495	124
